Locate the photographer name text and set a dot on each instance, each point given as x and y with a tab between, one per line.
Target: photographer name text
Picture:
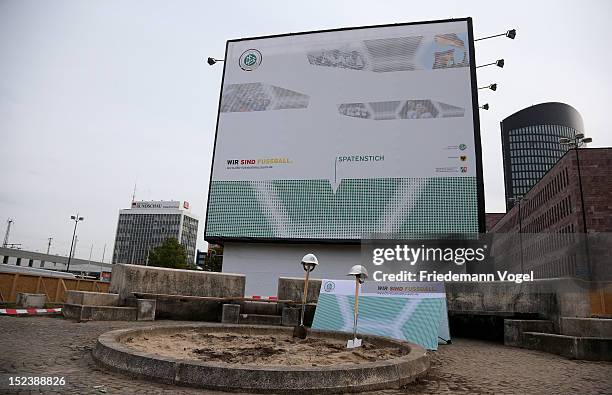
449	276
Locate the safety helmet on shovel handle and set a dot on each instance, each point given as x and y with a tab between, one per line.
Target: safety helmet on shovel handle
309	262
360	272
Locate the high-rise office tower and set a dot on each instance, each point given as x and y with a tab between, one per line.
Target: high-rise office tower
530	144
147	224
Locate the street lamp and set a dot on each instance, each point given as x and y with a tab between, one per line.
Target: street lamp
493	87
578	141
518	200
574	143
498	63
212	61
76	220
511	34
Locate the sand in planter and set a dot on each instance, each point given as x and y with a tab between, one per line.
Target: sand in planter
235	348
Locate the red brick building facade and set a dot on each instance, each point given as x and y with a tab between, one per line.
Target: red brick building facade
492	219
548	237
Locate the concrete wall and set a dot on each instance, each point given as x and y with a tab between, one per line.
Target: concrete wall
31	300
587	327
551	298
263	263
290	288
514	329
132	278
185	308
586	348
92	298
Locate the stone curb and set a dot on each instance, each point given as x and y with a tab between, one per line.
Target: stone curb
394	373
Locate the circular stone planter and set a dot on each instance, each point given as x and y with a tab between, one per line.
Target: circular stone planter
111	352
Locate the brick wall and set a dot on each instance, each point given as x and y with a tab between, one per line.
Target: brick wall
492	219
553	207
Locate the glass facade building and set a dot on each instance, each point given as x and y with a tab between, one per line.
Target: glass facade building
530	144
148	224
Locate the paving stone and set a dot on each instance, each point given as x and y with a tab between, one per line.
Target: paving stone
57	347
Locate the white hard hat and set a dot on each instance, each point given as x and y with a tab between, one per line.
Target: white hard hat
310	260
358	270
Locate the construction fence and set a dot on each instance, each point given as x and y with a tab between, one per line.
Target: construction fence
54	287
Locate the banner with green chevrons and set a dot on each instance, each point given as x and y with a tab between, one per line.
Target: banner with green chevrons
411	311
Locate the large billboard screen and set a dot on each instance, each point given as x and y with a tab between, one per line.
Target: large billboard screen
336	135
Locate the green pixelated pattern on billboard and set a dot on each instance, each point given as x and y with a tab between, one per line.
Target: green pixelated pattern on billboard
309	209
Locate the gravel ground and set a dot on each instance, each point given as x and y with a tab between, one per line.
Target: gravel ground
47	346
262	350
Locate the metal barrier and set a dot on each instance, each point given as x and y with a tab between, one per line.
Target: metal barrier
54	287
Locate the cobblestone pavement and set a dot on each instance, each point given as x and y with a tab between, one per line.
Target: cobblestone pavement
57	347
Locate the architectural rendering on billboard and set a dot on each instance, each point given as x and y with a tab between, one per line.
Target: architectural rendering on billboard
335	135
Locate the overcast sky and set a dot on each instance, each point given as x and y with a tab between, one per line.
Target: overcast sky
98	95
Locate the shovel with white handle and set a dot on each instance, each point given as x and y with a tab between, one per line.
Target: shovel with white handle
360	274
309	262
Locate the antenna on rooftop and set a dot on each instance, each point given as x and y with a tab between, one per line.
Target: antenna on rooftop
134	193
8	232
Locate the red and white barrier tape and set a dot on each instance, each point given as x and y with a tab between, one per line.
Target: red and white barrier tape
29	311
266	298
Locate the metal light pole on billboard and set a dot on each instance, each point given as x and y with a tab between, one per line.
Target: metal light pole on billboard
498	63
493	87
76	220
212	61
511	34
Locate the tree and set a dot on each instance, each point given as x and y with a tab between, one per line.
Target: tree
170	254
214	258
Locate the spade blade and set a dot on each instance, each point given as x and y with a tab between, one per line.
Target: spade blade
353	343
300	332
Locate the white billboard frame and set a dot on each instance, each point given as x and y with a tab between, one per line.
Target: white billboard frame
475	120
